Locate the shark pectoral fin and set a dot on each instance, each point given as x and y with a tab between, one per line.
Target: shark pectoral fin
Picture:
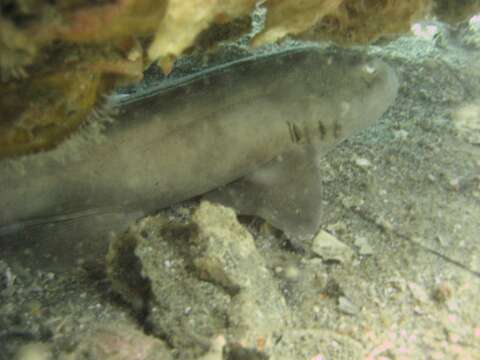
285	192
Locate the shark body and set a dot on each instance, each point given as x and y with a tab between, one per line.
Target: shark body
249	132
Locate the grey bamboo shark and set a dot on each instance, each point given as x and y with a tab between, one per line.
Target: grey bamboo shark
249	133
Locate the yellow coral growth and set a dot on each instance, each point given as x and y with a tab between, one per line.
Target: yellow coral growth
293	17
40	111
100	23
184	20
344	21
34	120
75	50
363	21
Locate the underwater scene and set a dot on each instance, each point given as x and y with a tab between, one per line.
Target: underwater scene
239	180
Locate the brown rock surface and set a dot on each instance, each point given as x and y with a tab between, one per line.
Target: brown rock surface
57	59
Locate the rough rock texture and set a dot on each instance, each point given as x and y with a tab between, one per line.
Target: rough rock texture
329	248
344	21
57	59
120	342
56	62
205	278
191	18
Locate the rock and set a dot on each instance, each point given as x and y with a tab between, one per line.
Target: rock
418	292
226	250
363	162
7	277
466	120
120	342
400	134
338	21
230	259
34	351
216	349
337	228
238	352
346	306
364	248
180	304
199	278
329	248
310	343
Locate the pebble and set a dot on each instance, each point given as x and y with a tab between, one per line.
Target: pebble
443	239
7	277
50	276
455	184
337	228
418	292
364	248
363	162
292	272
350	202
346	306
329	248
34	351
400	134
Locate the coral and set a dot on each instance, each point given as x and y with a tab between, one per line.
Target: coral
293	17
58	58
356	22
184	20
42	109
57	61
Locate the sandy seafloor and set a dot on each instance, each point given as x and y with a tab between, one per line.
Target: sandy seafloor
403	197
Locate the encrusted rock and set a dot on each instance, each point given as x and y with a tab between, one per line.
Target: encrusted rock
198	280
329	248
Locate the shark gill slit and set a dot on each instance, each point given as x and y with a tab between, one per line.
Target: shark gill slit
337	129
322	129
295	133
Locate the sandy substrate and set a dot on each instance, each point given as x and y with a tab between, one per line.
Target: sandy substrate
400	279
